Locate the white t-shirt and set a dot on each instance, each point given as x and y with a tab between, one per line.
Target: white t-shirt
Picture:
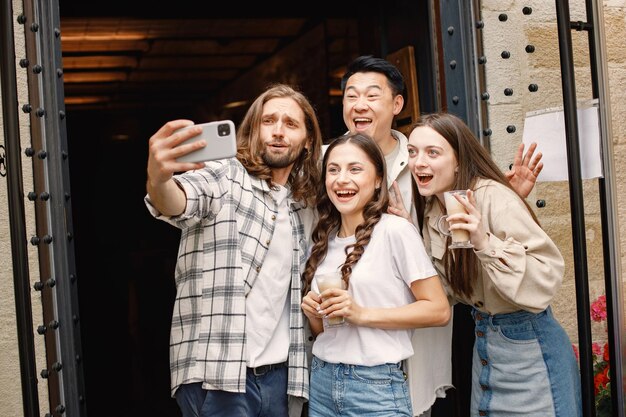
267	303
393	259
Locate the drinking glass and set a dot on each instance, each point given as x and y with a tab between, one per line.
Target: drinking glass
324	282
460	237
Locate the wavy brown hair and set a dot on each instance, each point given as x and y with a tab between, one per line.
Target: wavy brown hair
329	220
305	172
474	162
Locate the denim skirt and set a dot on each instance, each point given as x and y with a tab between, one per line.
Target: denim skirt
339	389
523	365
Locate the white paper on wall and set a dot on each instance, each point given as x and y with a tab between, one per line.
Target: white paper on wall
547	128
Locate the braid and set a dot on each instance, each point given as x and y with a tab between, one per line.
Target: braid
371	216
329	221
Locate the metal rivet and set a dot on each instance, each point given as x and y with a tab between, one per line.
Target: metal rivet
24	63
37	69
72	278
57	32
44	373
541	203
527	10
453	64
480	24
41	329
482	60
53	324
57	366
44	196
505	54
61	114
450	30
21	19
42	154
484	96
510	129
77	357
27	108
29	151
503	17
60	409
51	282
533	88
40	112
75	318
63	154
59	72
32	196
67	196
34	240
487	132
34	27
455	100
70	236
508	91
530	48
38	286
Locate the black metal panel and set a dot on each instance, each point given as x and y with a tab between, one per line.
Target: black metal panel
60	233
608	210
577	207
460	64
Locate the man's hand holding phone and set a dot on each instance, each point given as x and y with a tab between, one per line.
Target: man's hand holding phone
164	147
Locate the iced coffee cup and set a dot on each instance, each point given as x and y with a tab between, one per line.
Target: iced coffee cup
460	237
325	282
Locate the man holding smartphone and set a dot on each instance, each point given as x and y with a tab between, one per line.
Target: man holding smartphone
237	342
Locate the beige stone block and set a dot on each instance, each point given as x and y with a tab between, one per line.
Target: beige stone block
497	5
615	34
545	39
564	309
542	11
502	73
614	3
503	144
617	86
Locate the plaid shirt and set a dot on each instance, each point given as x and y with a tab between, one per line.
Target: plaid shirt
227	226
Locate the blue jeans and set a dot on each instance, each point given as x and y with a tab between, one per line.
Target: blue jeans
344	390
523	365
265	396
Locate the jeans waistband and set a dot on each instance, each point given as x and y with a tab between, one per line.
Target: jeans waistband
263	369
509	318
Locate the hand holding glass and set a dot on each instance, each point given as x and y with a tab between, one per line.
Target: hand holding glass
325	282
460	237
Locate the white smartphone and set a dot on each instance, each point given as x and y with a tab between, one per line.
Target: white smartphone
221	142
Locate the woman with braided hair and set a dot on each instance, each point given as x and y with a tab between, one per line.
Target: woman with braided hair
391	287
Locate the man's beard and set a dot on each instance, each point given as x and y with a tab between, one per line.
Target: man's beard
283	160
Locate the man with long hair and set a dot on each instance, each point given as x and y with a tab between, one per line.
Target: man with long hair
237	343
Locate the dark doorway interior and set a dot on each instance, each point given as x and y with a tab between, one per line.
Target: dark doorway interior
125	258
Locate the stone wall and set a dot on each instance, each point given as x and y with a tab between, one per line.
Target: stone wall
542	67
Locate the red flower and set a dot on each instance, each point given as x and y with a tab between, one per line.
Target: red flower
605	354
598	309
